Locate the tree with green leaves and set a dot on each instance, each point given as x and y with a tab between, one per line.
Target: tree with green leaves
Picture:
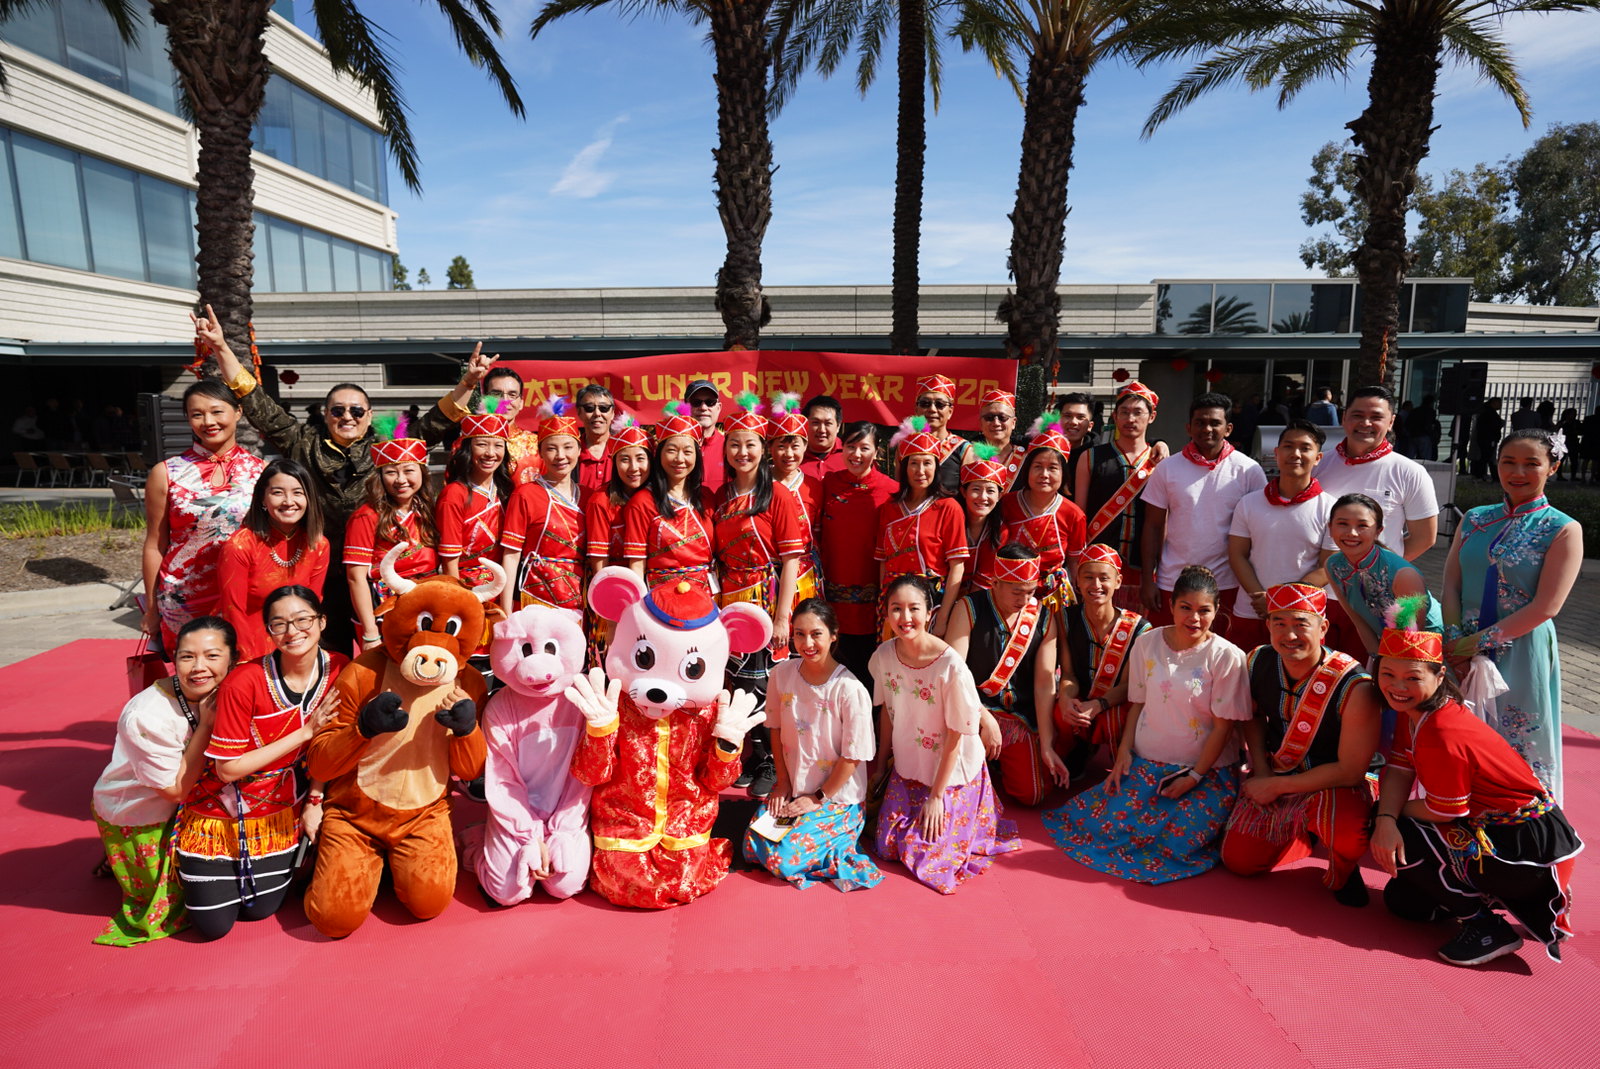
1329	200
1556	186
743	45
822	32
216	49
423	278
1290	44
458	276
1056	44
400	274
1463	230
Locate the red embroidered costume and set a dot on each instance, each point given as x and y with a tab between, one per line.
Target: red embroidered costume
250	569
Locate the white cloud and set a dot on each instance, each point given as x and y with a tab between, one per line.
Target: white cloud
582	177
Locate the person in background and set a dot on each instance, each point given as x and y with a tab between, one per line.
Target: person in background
1571	428
1546	412
921	531
156	760
314	414
1111	485
596	410
1402	430
1487	431
503	395
282	542
1323	412
824	452
1510	569
1483	834
1281	534
941	817
851	499
471	509
1245	423
338	454
997	417
399	508
936	404
1524	418
1189	505
25	430
705	405
1078	424
1424	429
1588	463
193	503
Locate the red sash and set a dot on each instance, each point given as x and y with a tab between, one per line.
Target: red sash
1125	494
1013	467
1011	656
1310	709
1117	647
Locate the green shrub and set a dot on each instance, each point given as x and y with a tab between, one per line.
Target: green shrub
32	520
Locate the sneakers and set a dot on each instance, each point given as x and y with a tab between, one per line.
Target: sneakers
747	774
1482	938
765	778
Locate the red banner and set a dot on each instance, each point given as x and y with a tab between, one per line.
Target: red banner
878	388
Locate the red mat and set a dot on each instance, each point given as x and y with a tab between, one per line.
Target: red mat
1040	962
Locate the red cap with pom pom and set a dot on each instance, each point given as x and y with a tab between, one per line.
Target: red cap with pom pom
681	605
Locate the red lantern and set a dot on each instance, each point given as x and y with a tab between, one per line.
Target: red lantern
288	378
1180	364
1213	376
1121	374
1594	371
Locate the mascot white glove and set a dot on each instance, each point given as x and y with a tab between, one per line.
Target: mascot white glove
595	698
736	715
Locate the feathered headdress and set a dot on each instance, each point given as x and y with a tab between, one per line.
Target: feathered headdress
392	446
385	425
982	451
786	422
1403	637
908	426
554	405
675	420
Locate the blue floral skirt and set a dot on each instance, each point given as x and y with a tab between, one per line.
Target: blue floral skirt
820	846
1139	835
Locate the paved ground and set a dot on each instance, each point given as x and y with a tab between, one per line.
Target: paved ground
42	620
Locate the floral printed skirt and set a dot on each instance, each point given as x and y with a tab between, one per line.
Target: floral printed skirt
975	829
820	846
152	898
1139	835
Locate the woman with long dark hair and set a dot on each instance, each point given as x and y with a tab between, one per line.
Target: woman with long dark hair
282	543
921	531
667	531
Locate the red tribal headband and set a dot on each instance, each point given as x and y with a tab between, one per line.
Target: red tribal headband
400	451
1138	389
1297	597
937	384
1002	570
484	426
1100	553
999	397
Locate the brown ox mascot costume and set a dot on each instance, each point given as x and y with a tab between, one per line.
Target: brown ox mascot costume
407	719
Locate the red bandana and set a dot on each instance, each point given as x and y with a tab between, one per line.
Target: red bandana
1382	449
1277	498
1193	454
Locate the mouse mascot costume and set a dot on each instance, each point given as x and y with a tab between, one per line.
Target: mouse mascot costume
407	720
538	827
662	738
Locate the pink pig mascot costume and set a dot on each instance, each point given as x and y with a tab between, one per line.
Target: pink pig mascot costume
538	827
663	738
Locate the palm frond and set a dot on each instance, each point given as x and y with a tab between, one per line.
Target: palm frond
874	31
1226	66
356	46
477	41
981	28
1471	44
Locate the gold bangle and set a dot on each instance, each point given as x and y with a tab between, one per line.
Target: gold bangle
449	402
242	383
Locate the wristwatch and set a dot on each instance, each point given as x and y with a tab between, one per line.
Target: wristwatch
820	795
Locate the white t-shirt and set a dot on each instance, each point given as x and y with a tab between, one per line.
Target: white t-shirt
151	736
1284	541
1182	691
1200	503
1400	486
820	725
922	703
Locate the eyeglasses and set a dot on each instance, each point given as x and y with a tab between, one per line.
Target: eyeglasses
299	623
354	411
504	395
932	402
592	408
996	417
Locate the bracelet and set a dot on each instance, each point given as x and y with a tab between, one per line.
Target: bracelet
315	799
242	383
1391	816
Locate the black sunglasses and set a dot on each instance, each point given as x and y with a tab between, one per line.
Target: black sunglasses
932	402
339	411
591	408
996	417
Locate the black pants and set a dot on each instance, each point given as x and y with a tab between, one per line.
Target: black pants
211	890
854	651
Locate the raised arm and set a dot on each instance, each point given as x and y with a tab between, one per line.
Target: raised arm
275	424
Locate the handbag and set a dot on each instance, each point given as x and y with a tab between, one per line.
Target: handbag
145	667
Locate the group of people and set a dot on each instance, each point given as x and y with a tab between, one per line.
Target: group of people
977	627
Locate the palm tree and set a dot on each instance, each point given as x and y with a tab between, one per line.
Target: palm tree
741	41
1060	41
1291	43
823	31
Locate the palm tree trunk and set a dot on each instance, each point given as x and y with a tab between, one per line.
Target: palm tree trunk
216	48
743	176
1032	312
911	150
1392	136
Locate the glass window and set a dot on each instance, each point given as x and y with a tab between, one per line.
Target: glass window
274	133
307	118
287	274
1331	306
374	264
364	159
52	210
168	232
345	273
263	250
112	196
1241	308
37	29
336	146
1291	308
319	261
150	77
94	48
1183	308
1441	307
10	230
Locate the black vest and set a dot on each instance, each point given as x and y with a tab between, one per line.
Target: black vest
1080	655
1107	473
1276	697
984	649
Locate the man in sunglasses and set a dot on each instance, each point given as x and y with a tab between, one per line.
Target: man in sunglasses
502	393
596	409
338	454
705	405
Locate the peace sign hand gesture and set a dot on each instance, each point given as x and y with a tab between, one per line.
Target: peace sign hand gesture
478	366
208	331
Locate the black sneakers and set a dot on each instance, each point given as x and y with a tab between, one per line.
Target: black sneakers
1482	938
765	778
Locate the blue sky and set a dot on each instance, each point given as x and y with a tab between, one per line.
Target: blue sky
608	180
